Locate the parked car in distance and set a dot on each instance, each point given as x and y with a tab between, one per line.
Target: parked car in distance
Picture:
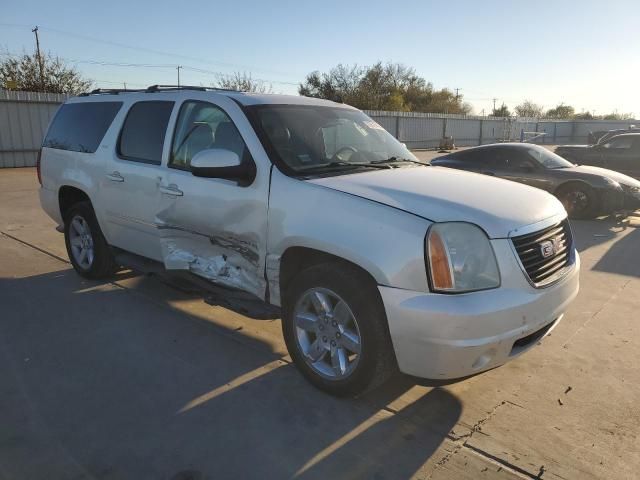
620	153
377	260
584	191
602	137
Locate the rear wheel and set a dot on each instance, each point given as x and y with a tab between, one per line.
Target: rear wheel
335	328
87	248
579	201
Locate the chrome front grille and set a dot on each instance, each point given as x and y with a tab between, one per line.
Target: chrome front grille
546	253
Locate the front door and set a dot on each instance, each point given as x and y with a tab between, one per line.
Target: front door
130	184
212	227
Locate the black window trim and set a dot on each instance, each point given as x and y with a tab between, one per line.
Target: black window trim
124	122
175	128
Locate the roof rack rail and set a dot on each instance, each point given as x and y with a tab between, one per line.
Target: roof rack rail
153	89
160	88
109	91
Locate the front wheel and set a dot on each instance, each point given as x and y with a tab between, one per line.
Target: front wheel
579	201
87	248
335	329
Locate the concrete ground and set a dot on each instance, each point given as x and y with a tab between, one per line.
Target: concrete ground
139	378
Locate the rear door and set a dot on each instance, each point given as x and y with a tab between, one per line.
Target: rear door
212	227
130	185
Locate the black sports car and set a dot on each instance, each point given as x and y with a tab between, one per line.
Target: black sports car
586	192
620	153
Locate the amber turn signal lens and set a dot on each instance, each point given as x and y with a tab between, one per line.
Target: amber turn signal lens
439	260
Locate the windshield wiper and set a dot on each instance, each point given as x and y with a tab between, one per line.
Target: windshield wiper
331	165
396	160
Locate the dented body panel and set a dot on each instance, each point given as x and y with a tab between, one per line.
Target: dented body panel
384	241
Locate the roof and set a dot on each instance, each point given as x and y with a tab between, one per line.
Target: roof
244	98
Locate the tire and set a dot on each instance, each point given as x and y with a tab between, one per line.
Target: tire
353	372
82	233
579	201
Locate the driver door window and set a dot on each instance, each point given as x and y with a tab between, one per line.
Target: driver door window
622	143
201	126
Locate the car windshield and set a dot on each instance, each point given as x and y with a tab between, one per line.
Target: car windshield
320	139
549	159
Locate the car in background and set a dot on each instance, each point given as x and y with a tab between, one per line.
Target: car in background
620	153
585	192
603	136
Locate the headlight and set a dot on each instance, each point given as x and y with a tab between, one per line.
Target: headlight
460	258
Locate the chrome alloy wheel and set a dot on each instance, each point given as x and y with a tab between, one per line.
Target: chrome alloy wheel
327	333
81	242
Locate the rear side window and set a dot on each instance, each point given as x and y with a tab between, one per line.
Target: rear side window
80	127
143	132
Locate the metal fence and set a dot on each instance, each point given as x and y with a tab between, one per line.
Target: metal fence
24	117
424	130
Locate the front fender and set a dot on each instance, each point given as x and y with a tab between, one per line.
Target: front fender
386	242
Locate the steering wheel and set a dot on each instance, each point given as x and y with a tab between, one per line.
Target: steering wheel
336	156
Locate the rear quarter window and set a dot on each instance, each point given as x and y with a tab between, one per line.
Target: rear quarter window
80	127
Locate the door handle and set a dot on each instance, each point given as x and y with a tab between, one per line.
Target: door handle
115	177
171	189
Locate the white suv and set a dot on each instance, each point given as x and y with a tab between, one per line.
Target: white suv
378	261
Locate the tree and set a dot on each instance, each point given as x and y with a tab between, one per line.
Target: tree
23	73
529	109
244	82
390	86
561	111
503	111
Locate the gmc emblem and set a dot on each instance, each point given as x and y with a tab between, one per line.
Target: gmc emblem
549	248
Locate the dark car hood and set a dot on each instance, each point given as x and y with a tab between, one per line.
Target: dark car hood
605	172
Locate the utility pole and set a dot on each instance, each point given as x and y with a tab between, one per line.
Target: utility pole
178	68
457	95
494	104
40	65
125	85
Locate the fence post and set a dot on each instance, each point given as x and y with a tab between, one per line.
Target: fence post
444	127
555	132
398	127
481	127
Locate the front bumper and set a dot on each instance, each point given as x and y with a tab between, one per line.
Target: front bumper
439	336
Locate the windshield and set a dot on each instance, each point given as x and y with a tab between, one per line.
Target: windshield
548	159
317	138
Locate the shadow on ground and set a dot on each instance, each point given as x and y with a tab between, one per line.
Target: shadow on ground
101	382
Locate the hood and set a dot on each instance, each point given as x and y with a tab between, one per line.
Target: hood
605	172
442	194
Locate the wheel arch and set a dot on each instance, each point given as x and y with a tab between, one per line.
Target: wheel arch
569	183
68	196
295	259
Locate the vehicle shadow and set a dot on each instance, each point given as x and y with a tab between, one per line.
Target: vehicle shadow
590	233
102	381
623	256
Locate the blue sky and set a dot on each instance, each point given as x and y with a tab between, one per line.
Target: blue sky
584	53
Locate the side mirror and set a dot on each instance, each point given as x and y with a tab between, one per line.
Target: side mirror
225	164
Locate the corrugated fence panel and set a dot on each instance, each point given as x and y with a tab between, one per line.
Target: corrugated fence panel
24	118
464	132
421	132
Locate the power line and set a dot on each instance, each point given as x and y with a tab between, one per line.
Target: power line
151	65
148	50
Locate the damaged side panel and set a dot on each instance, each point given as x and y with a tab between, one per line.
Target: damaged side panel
229	261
